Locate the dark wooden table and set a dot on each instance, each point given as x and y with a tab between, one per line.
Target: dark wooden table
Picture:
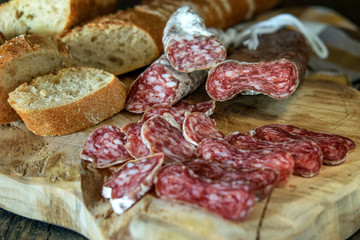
13	226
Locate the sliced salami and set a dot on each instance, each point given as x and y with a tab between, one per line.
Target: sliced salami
134	143
307	155
275	68
260	181
105	147
221	151
160	136
188	45
132	181
177	182
334	149
179	110
161	84
198	126
310	134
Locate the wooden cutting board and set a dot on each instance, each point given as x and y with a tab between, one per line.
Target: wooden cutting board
43	177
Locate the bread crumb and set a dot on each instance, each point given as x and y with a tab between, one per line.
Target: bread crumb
43	93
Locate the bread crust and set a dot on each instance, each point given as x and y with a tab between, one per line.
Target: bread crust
74	116
2	38
16	49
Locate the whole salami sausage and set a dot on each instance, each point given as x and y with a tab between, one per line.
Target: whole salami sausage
132	181
161	84
188	45
334	148
221	151
198	126
105	147
275	68
160	136
134	144
307	155
179	110
260	181
231	201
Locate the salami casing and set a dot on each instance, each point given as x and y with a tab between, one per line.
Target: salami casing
105	147
160	136
334	148
221	151
179	110
275	68
231	201
134	144
307	155
198	126
188	45
260	181
161	84
132	181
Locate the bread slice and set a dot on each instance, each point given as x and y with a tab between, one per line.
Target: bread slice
117	43
48	17
23	58
71	100
132	39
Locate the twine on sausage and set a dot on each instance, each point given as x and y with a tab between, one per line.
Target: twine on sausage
249	35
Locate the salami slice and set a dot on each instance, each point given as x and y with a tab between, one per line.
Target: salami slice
160	136
132	181
275	68
134	143
188	45
179	110
260	181
177	182
307	155
161	84
198	126
221	151
334	149
105	147
310	134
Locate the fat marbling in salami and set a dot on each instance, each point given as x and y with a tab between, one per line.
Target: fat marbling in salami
307	155
221	151
134	144
132	181
160	136
275	68
334	149
188	45
198	126
105	147
179	110
161	84
231	201
260	181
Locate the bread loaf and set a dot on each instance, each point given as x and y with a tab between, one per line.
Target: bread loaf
131	39
48	17
71	100
23	58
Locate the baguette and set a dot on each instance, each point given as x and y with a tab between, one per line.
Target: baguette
132	38
71	100
48	17
23	58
